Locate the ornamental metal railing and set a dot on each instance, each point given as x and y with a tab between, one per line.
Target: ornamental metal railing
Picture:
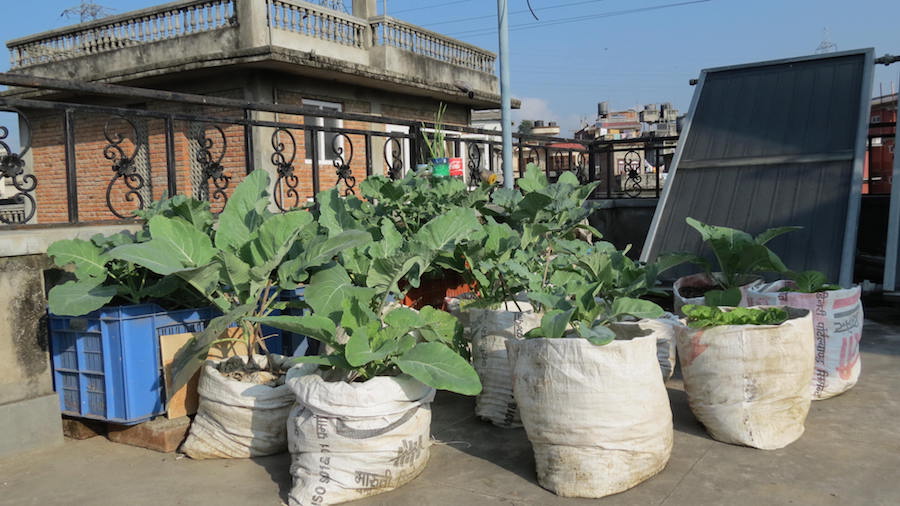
390	32
169	21
77	163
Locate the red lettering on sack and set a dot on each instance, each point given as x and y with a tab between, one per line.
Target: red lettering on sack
697	348
849	356
846	301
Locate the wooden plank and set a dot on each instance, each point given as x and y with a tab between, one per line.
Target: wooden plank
185	401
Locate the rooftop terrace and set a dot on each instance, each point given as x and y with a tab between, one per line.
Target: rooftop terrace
849	454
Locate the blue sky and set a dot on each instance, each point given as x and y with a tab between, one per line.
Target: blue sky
628	52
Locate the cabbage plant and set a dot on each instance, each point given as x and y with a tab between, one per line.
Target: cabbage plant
102	279
354	313
240	265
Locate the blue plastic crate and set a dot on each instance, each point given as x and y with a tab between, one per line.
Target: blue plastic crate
106	365
296	344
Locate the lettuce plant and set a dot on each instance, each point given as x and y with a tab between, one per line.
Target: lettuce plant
740	258
354	315
709	316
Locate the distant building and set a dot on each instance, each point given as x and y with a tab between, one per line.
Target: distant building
548	129
881	148
653	121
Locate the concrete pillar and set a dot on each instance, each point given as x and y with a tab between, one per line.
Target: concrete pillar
365	9
253	23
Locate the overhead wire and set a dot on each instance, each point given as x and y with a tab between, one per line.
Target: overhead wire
554	22
432	6
512	13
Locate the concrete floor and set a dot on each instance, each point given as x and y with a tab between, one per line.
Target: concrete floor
849	455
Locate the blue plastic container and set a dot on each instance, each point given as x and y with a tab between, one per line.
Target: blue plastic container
294	345
106	365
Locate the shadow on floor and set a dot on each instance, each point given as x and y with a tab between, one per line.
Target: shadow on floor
279	469
506	448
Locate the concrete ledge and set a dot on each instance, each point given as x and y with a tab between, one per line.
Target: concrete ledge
34	241
30	424
617	203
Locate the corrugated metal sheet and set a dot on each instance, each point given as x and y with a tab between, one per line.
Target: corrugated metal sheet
773	144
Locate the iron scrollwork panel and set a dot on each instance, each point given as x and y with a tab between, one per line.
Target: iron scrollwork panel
632	185
393	157
473	152
283	159
215	181
123	165
12	168
343	155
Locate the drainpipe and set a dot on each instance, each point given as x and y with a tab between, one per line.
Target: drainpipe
505	100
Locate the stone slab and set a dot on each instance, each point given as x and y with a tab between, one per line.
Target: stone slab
80	429
160	434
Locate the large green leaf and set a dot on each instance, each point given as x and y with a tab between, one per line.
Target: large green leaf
244	213
598	336
534	180
445	230
327	290
77	298
320	251
772	233
89	260
191	356
439	367
555	322
333	213
317	327
275	237
438	325
359	352
204	279
175	245
636	307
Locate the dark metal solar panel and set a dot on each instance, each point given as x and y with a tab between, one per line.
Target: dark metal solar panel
772	144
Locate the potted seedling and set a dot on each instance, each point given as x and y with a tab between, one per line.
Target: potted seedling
526	231
592	402
740	261
240	267
411	202
614	275
435	142
363	406
746	372
837	315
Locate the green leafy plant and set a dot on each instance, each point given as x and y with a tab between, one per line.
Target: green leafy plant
809	282
103	279
587	316
740	258
709	316
354	314
525	232
240	267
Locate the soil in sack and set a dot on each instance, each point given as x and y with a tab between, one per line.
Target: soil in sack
749	384
354	440
598	417
243	410
837	319
490	330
